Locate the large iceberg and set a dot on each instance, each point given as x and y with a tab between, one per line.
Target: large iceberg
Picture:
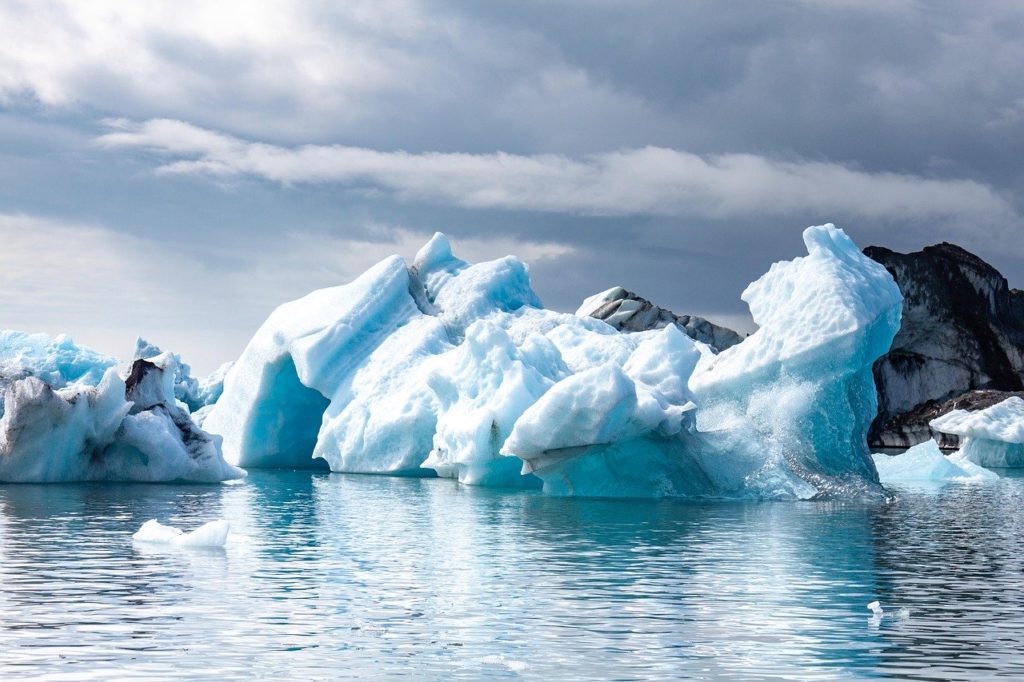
454	369
993	437
71	414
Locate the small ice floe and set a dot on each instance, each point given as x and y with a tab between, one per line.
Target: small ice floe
212	534
510	663
877	613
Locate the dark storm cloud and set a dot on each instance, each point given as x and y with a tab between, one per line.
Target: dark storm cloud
900	121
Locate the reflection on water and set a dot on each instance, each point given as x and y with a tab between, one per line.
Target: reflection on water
361	576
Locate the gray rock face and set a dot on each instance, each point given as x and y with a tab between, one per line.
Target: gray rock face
629	312
962	331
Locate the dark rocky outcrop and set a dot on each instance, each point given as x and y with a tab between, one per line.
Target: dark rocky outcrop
962	332
629	312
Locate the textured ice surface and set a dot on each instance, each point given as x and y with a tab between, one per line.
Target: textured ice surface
456	369
212	534
194	393
925	464
56	361
993	437
802	383
62	424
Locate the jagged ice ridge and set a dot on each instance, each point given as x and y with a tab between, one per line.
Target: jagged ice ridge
454	368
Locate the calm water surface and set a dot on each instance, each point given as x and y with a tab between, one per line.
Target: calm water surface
335	576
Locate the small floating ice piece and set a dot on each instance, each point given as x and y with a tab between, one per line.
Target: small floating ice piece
212	534
876	608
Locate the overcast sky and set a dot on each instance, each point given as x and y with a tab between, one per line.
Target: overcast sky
178	169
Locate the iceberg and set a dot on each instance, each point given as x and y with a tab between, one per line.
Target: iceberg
70	414
992	437
209	535
454	369
925	464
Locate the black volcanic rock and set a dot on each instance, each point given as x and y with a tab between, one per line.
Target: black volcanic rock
629	312
962	330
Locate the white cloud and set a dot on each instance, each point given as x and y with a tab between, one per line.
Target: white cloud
105	287
243	64
647	180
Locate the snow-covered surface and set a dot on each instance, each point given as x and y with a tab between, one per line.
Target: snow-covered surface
993	437
457	368
212	534
61	423
926	464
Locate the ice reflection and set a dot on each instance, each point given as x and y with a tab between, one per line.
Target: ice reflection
360	576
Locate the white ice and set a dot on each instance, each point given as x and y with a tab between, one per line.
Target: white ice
458	368
60	423
925	464
56	361
212	534
993	437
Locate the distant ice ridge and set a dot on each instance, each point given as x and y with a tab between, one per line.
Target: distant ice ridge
71	414
993	437
457	368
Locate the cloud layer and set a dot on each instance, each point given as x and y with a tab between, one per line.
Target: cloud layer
256	149
649	180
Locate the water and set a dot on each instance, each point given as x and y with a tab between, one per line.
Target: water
335	576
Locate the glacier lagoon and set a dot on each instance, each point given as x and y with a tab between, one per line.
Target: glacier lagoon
346	575
519	564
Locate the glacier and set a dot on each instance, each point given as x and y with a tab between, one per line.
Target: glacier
453	369
72	414
992	437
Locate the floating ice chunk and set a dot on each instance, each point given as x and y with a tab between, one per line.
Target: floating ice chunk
212	534
118	430
993	437
455	367
875	608
925	464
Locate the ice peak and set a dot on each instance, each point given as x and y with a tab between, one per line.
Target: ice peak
434	253
827	238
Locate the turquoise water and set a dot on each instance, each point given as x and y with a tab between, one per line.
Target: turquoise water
337	576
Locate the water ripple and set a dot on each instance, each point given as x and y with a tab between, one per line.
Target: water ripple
330	576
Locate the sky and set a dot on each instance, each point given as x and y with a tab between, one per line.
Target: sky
178	169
